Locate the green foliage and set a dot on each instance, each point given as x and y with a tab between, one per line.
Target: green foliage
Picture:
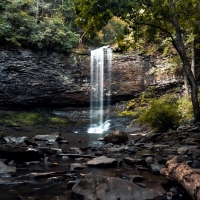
185	108
22	119
162	114
59	120
37	23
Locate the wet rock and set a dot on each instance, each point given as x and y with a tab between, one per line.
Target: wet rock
183	150
114	149
70	184
139	144
49	174
132	161
170	151
63	142
109	145
17	153
102	161
97	187
50	151
32	163
145	155
49	138
153	136
149	160
131	149
4	169
16	140
56	179
195	152
74	166
100	139
76	150
141	168
67	155
28	143
117	136
11	182
155	168
135	178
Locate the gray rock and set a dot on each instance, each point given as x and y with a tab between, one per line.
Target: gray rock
49	138
195	152
155	168
6	169
170	151
102	161
43	77
149	160
132	161
115	149
74	166
116	137
110	188
183	150
12	139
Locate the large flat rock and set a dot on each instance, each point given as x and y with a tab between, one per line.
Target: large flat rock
110	188
102	161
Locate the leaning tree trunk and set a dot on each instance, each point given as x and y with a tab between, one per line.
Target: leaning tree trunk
179	45
187	177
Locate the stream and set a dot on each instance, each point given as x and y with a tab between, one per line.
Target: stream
25	187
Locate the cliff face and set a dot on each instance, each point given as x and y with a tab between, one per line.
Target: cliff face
43	78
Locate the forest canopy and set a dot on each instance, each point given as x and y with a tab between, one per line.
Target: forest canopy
38	23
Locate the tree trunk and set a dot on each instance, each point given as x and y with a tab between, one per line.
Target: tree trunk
179	171
179	45
186	84
193	57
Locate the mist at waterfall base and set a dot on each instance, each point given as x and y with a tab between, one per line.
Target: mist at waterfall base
100	90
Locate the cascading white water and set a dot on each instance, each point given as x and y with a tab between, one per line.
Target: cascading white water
100	89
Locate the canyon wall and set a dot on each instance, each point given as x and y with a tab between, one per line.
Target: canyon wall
46	78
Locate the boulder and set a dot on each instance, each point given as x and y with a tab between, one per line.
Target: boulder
117	136
110	188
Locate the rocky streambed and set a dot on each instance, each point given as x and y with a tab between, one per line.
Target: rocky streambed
68	166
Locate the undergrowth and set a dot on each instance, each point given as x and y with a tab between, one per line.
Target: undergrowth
160	113
22	119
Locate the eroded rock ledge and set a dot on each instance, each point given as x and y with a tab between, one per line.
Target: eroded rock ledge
47	78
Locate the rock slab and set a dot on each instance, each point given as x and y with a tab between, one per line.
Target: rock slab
110	188
102	161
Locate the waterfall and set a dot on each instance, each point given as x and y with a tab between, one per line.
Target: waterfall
100	89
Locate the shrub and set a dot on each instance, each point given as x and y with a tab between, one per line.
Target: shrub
162	114
185	107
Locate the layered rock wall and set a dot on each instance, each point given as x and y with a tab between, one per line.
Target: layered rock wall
44	78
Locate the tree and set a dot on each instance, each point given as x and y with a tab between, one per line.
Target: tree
148	19
37	23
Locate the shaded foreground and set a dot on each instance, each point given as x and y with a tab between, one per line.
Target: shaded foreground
46	165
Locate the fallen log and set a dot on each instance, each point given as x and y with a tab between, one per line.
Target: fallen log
179	171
